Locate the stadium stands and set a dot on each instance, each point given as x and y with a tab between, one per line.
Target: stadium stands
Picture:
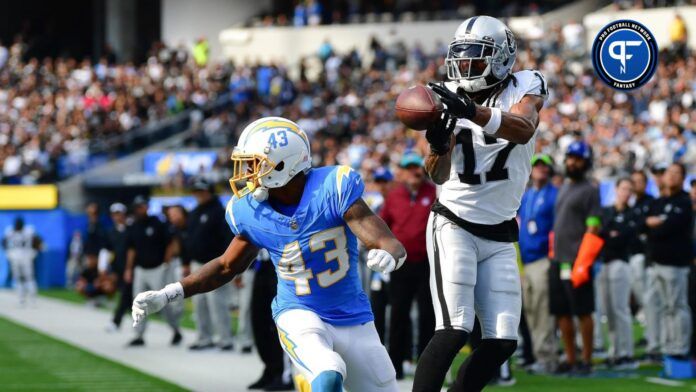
56	108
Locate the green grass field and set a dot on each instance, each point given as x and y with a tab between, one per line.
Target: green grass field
58	372
31	361
600	381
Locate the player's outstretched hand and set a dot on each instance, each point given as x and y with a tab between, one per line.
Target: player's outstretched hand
147	303
457	105
380	260
439	134
150	302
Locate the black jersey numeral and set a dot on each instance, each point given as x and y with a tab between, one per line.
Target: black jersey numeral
498	171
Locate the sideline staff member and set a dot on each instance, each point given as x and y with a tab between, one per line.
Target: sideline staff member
147	263
669	224
575	227
536	221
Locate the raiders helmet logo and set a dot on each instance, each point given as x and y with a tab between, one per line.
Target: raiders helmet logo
512	46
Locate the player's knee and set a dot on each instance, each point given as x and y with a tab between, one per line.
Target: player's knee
450	339
328	381
502	349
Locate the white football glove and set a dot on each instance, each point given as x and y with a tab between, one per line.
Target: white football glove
380	260
150	302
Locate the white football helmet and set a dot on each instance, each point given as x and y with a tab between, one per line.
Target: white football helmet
482	53
269	153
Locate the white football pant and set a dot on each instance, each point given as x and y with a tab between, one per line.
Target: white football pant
472	276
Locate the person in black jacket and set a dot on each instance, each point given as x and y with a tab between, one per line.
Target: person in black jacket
614	281
147	263
117	243
669	227
639	266
207	237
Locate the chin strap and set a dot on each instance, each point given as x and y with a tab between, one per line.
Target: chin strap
260	194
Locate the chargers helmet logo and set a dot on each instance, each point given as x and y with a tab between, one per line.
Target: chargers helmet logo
624	55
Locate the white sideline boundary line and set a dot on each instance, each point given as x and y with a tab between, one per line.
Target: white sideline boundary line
666	382
83	327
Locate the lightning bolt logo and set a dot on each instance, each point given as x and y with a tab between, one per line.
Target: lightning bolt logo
343	171
289	346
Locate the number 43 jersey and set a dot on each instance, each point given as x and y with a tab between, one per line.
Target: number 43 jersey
314	251
488	174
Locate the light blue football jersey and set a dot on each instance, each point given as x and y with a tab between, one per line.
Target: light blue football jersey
314	252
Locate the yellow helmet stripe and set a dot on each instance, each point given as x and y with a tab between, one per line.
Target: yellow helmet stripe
280	124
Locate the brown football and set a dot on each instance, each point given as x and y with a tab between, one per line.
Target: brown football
418	107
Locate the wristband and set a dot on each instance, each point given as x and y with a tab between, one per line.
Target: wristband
494	122
174	292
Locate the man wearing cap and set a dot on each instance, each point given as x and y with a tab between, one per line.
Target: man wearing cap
668	225
149	252
406	210
575	247
536	215
117	244
208	236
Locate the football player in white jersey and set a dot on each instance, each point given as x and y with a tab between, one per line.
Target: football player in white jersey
21	246
480	154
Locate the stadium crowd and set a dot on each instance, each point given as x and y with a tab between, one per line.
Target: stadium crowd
344	101
53	108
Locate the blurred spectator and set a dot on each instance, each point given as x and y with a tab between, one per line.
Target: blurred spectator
679	36
577	214
300	14
614	280
201	52
416	195
117	244
208	238
669	226
21	245
536	216
147	268
314	12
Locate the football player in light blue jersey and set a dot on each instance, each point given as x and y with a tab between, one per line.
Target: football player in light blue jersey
308	220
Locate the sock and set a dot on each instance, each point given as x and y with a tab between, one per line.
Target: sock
435	361
483	364
328	381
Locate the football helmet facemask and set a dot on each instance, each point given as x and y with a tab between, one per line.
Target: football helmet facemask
482	53
269	153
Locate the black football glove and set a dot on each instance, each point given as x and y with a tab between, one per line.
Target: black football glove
439	134
457	105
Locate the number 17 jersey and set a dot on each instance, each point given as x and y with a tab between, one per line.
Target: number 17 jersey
488	175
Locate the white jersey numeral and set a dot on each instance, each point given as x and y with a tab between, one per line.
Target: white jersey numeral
292	265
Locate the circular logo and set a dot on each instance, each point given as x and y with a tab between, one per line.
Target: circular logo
624	54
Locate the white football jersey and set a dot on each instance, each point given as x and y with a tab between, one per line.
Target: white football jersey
489	175
20	243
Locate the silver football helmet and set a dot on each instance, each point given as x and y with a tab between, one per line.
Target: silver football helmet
482	53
